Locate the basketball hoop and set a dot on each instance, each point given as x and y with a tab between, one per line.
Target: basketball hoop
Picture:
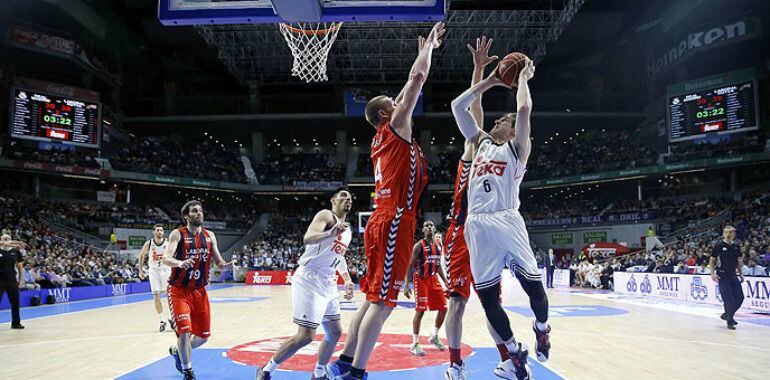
310	44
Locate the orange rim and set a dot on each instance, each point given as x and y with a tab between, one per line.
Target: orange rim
319	32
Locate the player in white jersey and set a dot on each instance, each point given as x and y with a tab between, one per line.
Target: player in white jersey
158	272
494	229
314	287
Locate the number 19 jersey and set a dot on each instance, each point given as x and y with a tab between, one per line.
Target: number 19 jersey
496	177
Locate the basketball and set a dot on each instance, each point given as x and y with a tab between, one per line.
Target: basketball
510	66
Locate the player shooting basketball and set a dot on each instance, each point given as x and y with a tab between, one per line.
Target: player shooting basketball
495	230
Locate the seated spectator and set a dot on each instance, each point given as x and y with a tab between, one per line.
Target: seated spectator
753	269
681	268
703	269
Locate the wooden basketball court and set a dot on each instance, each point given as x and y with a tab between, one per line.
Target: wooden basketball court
595	336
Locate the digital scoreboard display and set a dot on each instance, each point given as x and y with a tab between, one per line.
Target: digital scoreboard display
45	117
726	108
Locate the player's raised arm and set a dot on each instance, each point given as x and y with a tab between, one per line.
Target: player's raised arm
523	112
460	107
407	99
318	228
481	59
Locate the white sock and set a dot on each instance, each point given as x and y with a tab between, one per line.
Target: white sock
435	331
512	347
415	339
319	370
541	326
186	365
160	317
270	366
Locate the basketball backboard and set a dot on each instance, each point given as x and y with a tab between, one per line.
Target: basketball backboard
208	12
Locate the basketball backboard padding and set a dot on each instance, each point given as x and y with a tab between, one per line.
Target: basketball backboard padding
211	12
298	10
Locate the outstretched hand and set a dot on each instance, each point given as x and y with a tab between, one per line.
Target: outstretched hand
481	56
528	71
436	35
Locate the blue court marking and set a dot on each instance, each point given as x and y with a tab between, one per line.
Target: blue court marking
213	364
354	305
235	299
571	311
33	312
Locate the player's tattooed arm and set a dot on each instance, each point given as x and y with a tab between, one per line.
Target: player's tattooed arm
168	257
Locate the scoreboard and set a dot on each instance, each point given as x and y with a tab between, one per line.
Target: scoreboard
723	105
45	117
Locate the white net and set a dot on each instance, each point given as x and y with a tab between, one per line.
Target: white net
310	44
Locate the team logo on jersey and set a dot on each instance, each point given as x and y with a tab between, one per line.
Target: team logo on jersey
339	247
484	167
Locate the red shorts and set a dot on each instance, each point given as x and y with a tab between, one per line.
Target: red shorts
458	260
190	310
388	242
428	294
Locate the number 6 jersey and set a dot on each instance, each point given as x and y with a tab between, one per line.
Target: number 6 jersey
197	247
496	176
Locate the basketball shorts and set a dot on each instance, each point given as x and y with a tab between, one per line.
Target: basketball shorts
190	310
388	241
458	261
159	278
428	294
496	240
314	298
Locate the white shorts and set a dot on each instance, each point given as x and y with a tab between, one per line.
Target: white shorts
495	240
314	298
159	279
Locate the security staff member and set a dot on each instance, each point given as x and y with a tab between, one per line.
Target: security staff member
10	257
726	269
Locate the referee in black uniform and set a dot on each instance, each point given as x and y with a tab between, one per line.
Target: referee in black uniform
10	260
726	269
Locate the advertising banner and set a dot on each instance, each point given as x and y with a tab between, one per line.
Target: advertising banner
561	238
692	288
594	237
277	277
66	169
69	294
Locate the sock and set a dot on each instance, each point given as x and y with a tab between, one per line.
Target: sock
512	347
454	356
346	359
415	339
186	365
541	326
435	331
160	317
270	366
503	352
357	373
319	370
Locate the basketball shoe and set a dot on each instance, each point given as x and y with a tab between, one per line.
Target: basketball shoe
542	342
455	372
435	341
174	352
263	375
515	368
189	374
417	350
162	327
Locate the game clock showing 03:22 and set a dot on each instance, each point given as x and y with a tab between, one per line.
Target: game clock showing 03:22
46	117
724	109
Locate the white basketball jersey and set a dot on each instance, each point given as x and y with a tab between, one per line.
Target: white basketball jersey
323	256
495	178
155	254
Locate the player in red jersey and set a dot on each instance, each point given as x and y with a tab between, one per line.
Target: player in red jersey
455	249
400	176
428	292
189	253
